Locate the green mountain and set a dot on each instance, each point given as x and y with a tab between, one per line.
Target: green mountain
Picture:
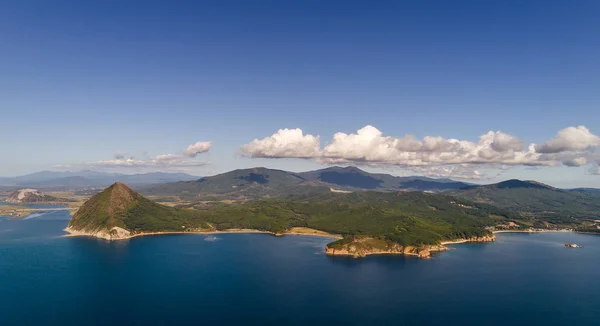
536	202
353	178
119	211
261	183
246	184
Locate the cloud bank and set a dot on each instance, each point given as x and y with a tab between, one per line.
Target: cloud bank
163	162
432	155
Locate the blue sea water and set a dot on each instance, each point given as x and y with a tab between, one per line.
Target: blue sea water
255	279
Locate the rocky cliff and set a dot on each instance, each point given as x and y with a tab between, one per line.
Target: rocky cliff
363	247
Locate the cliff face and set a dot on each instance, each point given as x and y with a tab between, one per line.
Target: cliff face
115	233
363	247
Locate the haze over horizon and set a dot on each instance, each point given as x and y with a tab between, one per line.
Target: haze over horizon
465	91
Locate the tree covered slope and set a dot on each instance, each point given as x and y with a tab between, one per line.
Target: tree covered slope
536	201
119	206
407	218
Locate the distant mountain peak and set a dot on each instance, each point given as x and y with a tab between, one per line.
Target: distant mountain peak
516	183
347	169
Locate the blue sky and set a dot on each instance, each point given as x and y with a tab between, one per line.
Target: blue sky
83	80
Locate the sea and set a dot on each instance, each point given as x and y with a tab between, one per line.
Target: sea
257	279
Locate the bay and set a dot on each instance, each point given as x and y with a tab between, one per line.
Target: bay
257	279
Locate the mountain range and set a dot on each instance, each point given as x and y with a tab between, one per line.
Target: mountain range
261	183
346	201
535	203
89	179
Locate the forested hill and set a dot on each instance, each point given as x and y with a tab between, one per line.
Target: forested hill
537	201
262	183
407	218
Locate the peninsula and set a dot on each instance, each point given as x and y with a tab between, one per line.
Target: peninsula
15	211
409	223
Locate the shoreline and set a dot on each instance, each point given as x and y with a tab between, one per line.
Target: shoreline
73	233
533	231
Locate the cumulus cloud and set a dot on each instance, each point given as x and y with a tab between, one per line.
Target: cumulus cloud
432	155
285	143
369	145
570	139
197	148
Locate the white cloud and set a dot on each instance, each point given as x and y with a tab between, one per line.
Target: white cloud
570	139
197	148
166	158
432	155
456	172
369	145
160	162
285	143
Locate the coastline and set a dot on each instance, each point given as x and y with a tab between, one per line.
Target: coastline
530	231
315	233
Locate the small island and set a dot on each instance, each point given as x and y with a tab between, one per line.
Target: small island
572	245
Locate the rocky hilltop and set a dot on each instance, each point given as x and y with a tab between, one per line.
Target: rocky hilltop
119	213
362	247
29	196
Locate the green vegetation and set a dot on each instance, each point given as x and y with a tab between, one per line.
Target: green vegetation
263	183
537	204
410	218
121	207
405	218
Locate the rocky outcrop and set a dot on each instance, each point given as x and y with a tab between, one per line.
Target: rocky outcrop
116	233
363	247
485	238
28	196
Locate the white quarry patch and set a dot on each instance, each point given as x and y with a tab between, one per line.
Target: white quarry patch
24	192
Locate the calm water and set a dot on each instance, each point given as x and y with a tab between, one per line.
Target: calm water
256	279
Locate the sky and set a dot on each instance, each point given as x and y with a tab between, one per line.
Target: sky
474	90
